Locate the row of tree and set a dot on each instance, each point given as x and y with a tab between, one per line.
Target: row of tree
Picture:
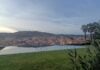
91	60
92	29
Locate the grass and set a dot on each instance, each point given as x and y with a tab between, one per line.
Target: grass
52	60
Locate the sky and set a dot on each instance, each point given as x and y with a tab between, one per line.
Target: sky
53	16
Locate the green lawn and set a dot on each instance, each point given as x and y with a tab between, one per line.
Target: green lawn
52	60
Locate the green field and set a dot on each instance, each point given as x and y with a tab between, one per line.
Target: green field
52	60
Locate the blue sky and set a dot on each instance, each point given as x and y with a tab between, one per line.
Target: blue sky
54	16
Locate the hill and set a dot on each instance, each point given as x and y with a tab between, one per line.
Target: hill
36	38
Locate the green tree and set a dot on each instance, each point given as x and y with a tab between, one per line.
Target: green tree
97	31
92	27
90	61
74	59
85	29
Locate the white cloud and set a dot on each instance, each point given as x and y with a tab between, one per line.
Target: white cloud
7	29
28	15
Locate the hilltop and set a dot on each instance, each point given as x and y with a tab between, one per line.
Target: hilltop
36	38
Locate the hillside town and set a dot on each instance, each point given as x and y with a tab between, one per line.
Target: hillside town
42	40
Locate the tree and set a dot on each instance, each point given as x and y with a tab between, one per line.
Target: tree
74	59
92	27
91	60
90	30
97	31
85	29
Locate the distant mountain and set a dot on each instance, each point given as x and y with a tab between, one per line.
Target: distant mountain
32	34
24	34
29	34
36	38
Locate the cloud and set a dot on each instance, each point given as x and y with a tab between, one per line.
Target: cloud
55	16
7	29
